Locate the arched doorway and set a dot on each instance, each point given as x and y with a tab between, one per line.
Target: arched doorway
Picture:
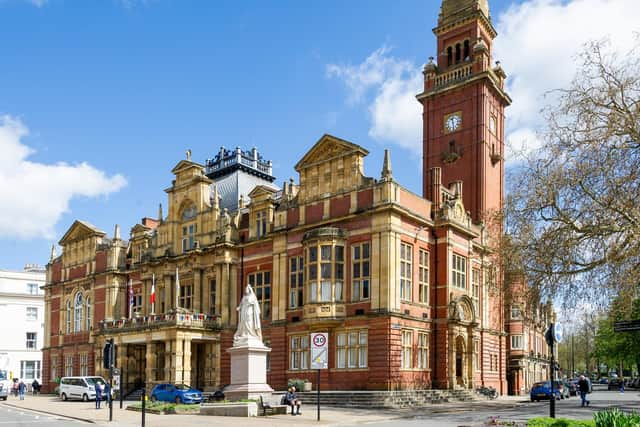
461	362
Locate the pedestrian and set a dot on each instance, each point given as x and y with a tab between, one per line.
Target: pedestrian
35	387
22	388
583	386
107	394
98	394
622	385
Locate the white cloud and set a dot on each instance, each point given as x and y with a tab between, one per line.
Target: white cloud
394	111
33	196
537	45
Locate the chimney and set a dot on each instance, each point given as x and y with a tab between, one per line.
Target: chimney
160	212
116	232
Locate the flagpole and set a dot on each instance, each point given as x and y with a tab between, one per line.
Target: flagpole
177	288
130	292
153	294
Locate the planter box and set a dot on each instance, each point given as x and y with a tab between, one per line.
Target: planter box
237	409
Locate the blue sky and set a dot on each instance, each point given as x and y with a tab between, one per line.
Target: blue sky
99	99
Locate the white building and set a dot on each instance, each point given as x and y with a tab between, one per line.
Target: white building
22	322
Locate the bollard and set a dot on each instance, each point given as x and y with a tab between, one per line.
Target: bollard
144	399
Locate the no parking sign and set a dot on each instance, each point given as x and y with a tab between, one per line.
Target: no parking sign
319	350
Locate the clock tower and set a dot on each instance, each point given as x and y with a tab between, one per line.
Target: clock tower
463	107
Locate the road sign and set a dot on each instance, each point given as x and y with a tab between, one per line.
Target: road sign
319	350
557	332
627	326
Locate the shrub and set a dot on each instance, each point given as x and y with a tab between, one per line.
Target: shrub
297	383
559	422
616	418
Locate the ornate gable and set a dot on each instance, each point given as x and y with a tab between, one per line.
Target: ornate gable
80	230
328	148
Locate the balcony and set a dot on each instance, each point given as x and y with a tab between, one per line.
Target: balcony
157	321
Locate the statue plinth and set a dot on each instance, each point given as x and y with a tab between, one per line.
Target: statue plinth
248	369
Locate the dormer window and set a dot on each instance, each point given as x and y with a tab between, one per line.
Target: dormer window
189	227
261	223
188	237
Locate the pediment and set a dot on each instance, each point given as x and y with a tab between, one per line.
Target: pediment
261	190
185	165
80	230
327	148
139	228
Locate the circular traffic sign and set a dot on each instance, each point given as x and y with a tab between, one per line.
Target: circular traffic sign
319	340
557	332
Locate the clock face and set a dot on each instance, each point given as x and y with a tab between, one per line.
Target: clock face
453	122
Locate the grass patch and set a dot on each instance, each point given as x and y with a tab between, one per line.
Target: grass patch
167	407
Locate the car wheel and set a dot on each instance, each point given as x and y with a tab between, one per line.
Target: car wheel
154	398
85	398
532	399
4	398
178	400
63	397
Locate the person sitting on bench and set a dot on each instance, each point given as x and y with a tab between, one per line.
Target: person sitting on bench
292	400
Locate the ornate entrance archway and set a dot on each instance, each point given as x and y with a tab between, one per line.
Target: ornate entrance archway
462	334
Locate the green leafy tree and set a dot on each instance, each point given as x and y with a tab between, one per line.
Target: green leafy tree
572	218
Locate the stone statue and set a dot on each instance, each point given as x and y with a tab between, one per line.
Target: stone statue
249	327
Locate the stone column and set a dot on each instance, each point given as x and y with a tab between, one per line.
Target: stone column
176	359
150	366
452	360
168	359
206	287
186	360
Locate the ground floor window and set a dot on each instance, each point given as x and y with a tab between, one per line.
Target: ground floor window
30	369
68	366
423	350
84	364
407	350
351	349
54	368
299	352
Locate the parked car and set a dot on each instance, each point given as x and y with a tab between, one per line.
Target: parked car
178	393
572	385
542	391
5	385
82	388
614	384
604	381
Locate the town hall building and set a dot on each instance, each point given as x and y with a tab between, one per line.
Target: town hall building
406	285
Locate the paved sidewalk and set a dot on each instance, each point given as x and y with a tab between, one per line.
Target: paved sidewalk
85	411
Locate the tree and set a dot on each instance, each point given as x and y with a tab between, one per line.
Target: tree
572	217
613	347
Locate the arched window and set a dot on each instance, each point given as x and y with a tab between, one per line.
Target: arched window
77	313
458	53
87	316
466	50
449	55
68	317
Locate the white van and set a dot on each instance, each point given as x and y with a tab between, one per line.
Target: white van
83	388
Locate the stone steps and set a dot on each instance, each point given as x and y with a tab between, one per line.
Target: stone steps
387	399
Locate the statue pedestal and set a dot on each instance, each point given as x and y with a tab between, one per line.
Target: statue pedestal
248	372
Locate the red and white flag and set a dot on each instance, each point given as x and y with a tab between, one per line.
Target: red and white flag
153	293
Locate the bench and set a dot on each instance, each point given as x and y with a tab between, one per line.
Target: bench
269	403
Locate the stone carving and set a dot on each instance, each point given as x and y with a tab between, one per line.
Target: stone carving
249	326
